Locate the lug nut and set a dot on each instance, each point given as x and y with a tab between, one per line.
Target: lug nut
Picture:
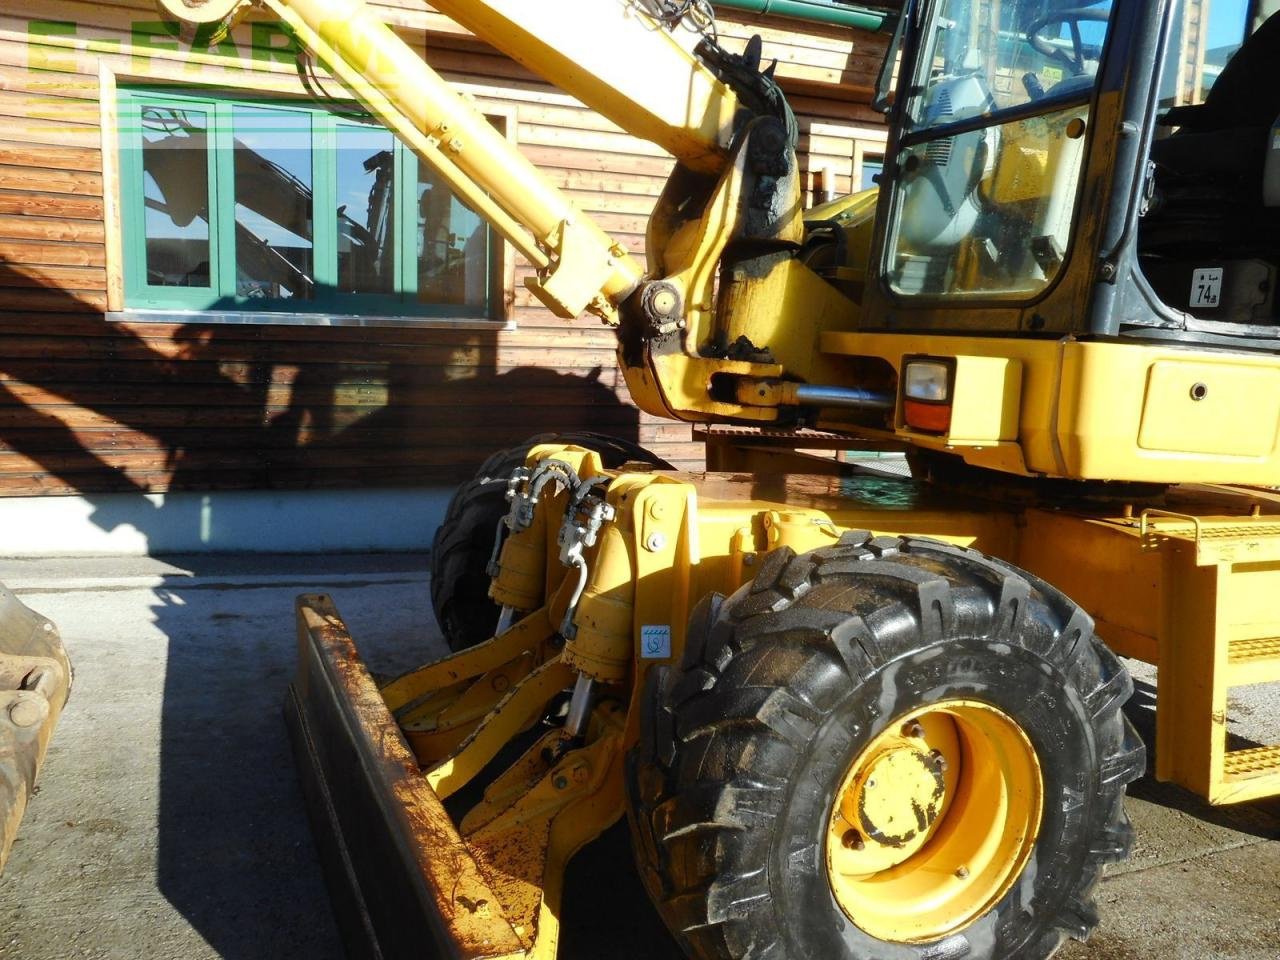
913	730
561	782
852	840
962	873
939	761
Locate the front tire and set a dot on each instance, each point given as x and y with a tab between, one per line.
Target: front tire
747	752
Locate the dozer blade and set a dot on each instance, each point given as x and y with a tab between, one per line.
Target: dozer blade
402	881
35	681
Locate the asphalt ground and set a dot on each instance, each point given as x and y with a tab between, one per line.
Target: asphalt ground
169	824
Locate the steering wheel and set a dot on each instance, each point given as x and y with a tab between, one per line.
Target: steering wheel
1071	17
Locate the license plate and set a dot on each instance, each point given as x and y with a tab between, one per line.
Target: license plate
1206	287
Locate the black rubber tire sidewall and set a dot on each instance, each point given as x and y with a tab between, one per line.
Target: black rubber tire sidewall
744	744
1011	679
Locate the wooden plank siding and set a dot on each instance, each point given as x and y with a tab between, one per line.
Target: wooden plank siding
93	400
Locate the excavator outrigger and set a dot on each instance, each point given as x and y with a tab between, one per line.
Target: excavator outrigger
846	717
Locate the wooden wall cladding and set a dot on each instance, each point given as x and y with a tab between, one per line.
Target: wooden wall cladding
94	403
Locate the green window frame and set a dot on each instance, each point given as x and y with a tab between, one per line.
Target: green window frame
221	292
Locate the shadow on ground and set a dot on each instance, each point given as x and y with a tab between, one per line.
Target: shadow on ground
1260	820
234	851
170	823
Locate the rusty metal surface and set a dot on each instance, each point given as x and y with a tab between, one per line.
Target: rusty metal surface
745	432
402	882
35	681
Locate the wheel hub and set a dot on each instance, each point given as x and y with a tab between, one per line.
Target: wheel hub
900	797
934	821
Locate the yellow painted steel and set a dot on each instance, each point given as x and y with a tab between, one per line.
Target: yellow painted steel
674	101
527	634
1189	588
1220	630
514	712
934	821
522	567
1098	411
779	305
601	647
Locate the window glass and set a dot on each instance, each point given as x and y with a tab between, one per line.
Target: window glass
366	212
175	171
872	167
273	204
989	211
453	246
266	206
1204	35
989	55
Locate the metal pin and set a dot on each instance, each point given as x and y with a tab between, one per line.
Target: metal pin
580	706
505	619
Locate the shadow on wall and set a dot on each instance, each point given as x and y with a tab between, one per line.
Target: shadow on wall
92	407
114	413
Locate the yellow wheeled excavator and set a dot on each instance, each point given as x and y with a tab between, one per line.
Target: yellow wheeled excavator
846	717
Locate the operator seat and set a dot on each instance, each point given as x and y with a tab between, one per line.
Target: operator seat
1209	171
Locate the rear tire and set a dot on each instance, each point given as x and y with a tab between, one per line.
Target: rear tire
464	541
743	748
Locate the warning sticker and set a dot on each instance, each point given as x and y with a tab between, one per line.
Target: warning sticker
655	642
1206	287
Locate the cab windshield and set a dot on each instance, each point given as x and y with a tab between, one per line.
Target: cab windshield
994	147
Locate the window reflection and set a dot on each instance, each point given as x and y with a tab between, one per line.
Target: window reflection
992	55
223	197
175	167
1205	35
989	211
453	247
872	167
273	204
366	209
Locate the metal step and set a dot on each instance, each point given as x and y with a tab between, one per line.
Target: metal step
1220	629
1250	774
1253	661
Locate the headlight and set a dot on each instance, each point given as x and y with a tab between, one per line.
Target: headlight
927	380
926	395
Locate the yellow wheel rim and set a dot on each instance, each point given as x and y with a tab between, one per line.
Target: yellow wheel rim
934	821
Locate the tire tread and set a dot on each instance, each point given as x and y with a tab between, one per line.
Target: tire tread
719	732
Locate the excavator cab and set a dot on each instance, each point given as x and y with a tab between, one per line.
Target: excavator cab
1046	175
1070	202
992	133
